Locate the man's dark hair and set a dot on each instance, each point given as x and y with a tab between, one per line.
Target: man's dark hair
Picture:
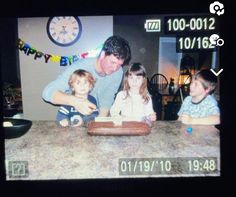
119	47
209	80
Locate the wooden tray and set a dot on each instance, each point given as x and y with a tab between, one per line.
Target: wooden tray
127	128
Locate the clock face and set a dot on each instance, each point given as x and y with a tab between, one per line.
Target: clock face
64	30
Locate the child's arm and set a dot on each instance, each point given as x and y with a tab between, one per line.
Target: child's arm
209	120
149	111
153	116
62	116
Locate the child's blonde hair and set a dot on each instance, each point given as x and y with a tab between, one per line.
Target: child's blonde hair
81	73
138	70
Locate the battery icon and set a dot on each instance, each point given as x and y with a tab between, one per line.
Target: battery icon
153	25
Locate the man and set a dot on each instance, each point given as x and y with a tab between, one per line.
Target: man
106	69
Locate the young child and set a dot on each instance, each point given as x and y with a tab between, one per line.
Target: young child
201	107
134	101
81	83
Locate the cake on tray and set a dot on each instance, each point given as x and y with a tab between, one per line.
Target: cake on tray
117	126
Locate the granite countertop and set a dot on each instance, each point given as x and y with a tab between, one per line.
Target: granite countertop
53	153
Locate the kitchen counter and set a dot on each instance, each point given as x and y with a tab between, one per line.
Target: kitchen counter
51	152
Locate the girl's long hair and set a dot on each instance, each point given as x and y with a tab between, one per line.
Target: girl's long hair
138	70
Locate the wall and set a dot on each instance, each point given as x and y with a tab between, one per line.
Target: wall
36	74
9	53
144	45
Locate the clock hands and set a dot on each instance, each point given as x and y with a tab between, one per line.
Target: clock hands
63	31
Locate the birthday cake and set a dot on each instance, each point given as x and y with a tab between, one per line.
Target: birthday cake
112	126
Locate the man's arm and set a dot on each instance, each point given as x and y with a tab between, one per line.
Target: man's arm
84	107
54	93
61	98
59	84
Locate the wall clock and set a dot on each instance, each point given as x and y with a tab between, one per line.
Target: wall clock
64	30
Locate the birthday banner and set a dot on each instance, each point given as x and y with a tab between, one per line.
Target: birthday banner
64	60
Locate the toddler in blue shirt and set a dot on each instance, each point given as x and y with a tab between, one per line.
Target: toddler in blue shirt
81	83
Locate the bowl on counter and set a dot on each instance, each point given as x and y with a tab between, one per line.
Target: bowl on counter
14	128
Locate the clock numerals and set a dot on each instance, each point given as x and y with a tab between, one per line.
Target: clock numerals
74	34
64	31
54	34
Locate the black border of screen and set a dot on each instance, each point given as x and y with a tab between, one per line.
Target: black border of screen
146	186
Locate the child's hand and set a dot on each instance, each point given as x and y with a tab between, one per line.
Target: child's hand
153	117
64	123
186	119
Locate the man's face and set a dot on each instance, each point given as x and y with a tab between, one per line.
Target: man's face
110	64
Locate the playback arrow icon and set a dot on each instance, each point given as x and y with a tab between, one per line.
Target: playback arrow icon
216	74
